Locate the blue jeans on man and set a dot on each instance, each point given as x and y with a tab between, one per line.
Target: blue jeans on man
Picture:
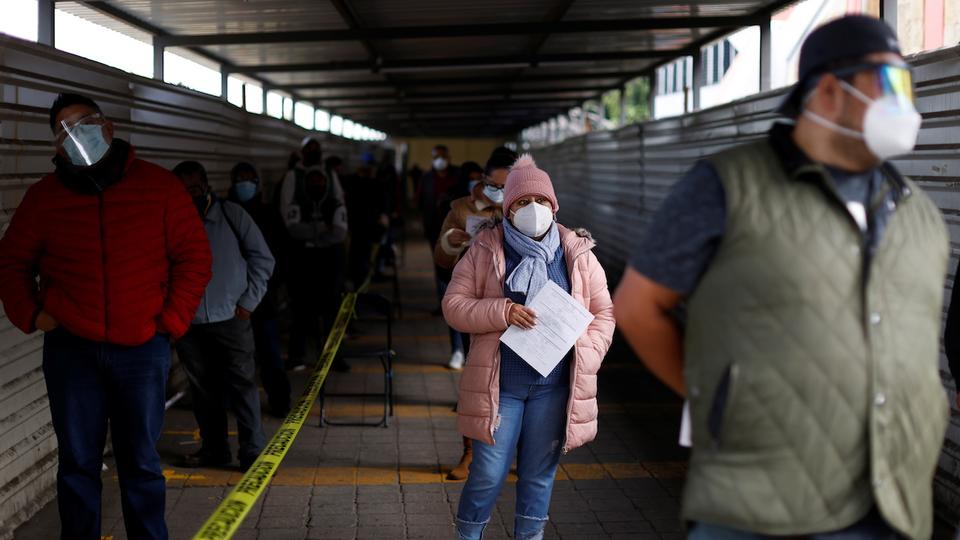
90	384
532	419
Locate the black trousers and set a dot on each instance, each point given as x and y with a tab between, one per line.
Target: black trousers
316	282
219	361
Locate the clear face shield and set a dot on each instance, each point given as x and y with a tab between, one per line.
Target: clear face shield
83	139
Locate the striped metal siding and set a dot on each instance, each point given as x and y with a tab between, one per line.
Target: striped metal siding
613	182
166	124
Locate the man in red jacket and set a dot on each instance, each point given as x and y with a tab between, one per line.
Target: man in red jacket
122	260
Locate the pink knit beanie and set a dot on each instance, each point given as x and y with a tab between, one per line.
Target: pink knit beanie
526	179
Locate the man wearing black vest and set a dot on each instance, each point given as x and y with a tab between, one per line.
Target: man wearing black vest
812	274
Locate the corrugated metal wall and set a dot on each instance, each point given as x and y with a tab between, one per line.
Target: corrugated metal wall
613	182
166	125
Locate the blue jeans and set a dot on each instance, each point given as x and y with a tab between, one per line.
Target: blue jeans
872	527
456	338
90	384
532	420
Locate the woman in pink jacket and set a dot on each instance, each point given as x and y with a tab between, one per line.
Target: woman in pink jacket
505	404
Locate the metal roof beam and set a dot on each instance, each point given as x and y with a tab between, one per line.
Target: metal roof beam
387	107
456	81
505	94
429	64
463	30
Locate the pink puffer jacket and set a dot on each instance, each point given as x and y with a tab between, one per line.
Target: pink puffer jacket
475	304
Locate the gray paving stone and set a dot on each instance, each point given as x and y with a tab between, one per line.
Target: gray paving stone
364	509
391	532
429	519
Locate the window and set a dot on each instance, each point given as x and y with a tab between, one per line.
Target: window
190	74
89	40
287	109
254	99
322	120
336	125
303	115
274	105
235	91
348	127
19	19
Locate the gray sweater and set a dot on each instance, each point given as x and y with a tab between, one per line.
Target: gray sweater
242	263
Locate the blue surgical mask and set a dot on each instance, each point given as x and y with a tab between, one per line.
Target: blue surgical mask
85	144
495	195
245	191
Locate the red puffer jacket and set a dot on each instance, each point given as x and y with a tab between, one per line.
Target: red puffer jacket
115	267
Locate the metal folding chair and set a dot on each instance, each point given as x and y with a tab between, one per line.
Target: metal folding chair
381	308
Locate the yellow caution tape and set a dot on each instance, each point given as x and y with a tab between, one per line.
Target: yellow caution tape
226	519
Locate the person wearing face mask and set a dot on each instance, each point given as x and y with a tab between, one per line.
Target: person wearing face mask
485	203
245	190
505	405
318	225
432	189
812	273
218	351
122	261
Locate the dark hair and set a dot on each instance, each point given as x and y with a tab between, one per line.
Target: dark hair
501	158
442	147
69	100
185	168
332	162
469	167
241	167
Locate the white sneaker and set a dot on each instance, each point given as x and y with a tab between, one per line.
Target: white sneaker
456	361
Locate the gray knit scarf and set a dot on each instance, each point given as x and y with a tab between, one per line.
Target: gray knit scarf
531	274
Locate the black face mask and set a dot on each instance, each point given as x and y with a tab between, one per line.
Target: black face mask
202	202
311	158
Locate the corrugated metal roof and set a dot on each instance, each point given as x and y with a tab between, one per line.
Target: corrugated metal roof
528	59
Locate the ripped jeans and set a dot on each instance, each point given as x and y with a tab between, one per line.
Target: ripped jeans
532	421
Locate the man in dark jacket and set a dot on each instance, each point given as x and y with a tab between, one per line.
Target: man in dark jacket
316	220
246	191
122	261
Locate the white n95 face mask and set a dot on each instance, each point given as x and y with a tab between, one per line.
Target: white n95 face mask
440	164
890	125
533	220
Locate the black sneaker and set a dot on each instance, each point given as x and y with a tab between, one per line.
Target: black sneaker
278	411
246	463
203	458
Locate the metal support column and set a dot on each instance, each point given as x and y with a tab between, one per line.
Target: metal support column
224	84
45	22
888	12
652	95
264	96
766	57
623	105
698	78
158	50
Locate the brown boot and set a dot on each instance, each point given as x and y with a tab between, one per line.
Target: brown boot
463	468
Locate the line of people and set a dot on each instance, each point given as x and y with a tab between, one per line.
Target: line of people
790	289
118	261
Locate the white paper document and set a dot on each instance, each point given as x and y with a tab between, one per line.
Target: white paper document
685	439
473	224
560	321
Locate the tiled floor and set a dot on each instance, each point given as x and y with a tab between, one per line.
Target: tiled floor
371	482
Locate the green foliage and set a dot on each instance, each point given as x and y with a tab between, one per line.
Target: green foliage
637	102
